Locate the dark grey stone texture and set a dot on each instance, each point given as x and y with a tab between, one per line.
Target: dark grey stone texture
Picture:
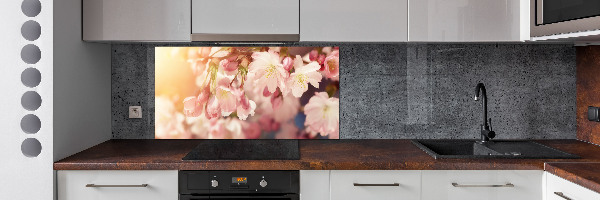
399	90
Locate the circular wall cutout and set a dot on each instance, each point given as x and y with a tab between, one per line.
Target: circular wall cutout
31	100
30	124
31	147
31	54
31	8
31	30
31	77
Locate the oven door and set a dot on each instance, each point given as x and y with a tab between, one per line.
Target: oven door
237	197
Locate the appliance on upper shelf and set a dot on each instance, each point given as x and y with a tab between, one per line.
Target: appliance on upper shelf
234	185
565	20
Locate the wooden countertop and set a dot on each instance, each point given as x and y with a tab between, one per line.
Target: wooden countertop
314	155
581	173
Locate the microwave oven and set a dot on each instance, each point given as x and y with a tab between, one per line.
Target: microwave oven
555	19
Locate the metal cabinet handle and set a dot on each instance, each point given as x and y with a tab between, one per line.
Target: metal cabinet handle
94	185
505	185
560	194
361	184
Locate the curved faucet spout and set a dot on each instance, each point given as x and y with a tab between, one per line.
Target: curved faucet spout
486	133
481	87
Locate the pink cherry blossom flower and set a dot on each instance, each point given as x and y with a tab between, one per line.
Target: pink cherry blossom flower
246	107
266	92
288	109
288	63
303	74
192	107
226	99
204	52
266	70
313	55
322	114
275	50
268	124
332	64
251	130
276	100
212	108
228	66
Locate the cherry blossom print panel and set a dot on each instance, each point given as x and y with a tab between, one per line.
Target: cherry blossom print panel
247	92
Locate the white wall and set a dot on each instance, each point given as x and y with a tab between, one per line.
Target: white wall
74	88
24	177
82	84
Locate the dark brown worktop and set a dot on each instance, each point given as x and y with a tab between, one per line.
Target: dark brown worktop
314	155
584	174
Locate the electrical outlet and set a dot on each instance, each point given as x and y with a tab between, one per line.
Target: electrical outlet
135	112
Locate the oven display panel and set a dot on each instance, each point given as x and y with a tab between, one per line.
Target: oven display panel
239	180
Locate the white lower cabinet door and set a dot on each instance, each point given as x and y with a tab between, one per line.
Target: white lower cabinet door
560	189
482	185
117	185
375	185
314	184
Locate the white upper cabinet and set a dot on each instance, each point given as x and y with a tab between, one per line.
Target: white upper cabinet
468	20
354	20
245	20
136	20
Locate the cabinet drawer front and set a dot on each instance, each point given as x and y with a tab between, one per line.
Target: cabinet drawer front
555	184
380	185
482	184
246	17
117	185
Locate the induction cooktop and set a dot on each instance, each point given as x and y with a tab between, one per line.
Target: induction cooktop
245	150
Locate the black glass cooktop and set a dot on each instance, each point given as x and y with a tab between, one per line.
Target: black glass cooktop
245	150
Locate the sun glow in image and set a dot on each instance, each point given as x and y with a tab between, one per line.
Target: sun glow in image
247	93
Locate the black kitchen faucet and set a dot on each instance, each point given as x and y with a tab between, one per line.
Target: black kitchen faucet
486	129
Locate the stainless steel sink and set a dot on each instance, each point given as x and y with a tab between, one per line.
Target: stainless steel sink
493	149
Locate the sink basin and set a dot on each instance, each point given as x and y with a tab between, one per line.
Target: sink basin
494	149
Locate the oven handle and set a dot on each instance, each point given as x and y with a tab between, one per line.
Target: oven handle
98	186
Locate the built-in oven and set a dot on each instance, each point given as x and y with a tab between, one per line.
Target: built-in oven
554	17
234	185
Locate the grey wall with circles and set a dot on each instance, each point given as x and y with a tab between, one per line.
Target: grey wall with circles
31	77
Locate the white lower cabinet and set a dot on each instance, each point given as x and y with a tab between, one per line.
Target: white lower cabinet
117	185
561	189
375	185
482	184
314	184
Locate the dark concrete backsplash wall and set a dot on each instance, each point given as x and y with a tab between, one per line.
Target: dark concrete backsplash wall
408	90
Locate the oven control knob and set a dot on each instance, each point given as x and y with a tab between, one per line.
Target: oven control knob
214	183
263	183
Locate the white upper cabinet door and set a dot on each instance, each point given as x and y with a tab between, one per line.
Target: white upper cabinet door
354	20
482	184
136	20
245	20
468	20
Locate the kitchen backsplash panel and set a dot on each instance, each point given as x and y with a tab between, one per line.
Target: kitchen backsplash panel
407	91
